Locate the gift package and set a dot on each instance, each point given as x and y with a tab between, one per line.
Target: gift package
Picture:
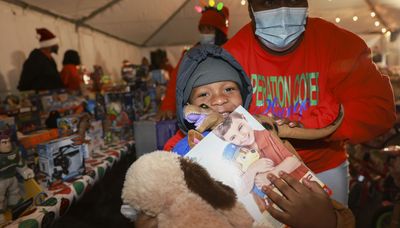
61	159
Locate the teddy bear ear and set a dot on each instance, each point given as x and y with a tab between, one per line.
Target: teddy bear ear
198	180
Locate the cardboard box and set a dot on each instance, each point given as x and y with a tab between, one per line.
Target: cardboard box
38	137
68	125
95	135
61	159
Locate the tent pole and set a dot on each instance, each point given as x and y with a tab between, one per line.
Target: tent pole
97	11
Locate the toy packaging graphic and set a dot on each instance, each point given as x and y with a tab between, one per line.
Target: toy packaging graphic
95	136
61	159
245	164
68	125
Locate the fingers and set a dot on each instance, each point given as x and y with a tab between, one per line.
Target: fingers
276	198
277	214
314	186
282	186
294	183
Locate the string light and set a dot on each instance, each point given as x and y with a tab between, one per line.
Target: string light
220	6
337	19
211	3
243	2
388	34
383	30
355	18
373	14
198	9
377	23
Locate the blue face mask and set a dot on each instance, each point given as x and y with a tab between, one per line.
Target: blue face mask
279	28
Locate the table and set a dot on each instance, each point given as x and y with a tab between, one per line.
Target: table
61	196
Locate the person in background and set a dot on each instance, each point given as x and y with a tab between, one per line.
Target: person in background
70	75
128	71
213	29
302	70
39	71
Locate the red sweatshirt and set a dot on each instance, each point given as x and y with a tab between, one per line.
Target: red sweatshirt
330	67
71	77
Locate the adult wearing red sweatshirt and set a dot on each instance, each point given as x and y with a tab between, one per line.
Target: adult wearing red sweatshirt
302	69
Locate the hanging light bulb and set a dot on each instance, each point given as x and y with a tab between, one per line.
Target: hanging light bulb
220	6
373	14
355	18
243	2
211	3
337	19
384	30
377	23
198	9
387	34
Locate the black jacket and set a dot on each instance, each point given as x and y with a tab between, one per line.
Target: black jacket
39	73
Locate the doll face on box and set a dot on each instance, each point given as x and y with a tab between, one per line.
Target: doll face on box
5	145
240	133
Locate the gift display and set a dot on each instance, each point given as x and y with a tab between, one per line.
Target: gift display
70	139
60	196
61	159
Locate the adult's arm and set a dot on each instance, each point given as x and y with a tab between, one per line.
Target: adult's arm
366	94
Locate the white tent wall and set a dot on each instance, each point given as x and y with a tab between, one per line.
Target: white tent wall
18	39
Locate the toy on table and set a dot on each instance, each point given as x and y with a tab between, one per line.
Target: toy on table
10	163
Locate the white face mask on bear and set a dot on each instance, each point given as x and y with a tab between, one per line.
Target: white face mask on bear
207	38
279	28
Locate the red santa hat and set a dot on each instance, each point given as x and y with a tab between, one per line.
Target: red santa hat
217	18
46	38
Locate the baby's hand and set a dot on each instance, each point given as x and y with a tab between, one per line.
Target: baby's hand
262	165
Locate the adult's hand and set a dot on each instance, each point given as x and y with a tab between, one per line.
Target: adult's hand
303	204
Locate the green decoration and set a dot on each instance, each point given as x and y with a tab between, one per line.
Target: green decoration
29	223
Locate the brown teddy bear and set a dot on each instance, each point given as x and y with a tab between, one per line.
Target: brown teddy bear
178	192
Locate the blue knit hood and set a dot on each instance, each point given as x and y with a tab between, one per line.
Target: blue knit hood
188	66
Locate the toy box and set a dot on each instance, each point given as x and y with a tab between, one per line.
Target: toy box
95	135
61	159
37	137
9	122
68	125
28	120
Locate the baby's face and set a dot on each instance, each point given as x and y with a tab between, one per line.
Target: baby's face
240	133
223	97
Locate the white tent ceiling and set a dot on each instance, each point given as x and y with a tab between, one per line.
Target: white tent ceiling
174	22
